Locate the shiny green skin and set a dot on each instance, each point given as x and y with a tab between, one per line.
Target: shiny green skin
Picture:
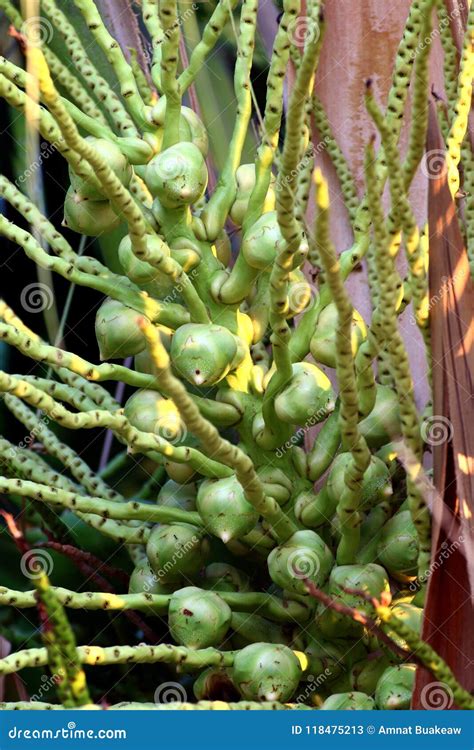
174	495
266	672
224	577
190	126
304	555
142	273
144	581
411	615
348	702
371	579
325	657
89	217
143	361
376	484
383	422
323	341
150	412
245	179
177	176
115	159
308	398
198	618
262	242
204	354
365	674
398	546
276	482
224	510
395	688
117	331
176	550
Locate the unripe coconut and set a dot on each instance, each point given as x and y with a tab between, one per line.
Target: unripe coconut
224	510
174	495
204	354
144	581
150	412
115	159
266	672
89	217
198	618
323	341
308	397
176	550
348	702
177	176
383	422
398	546
117	331
303	556
395	688
245	179
224	577
370	579
263	241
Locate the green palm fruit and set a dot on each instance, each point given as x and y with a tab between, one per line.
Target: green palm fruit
395	687
365	674
150	412
143	361
411	616
383	422
251	628
191	128
323	341
245	178
117	331
176	550
303	556
174	495
215	684
370	579
307	398
87	216
325	657
224	577
197	130
180	473
277	484
177	176
348	702
204	354
266	672
198	618
376	484
115	159
263	241
224	510
144	581
223	248
398	546
141	272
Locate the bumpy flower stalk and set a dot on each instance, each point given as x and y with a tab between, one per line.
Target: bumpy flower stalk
111	49
273	111
349	410
468	186
402	215
389	337
61	392
211	33
66	455
93	391
151	19
432	661
217	209
346	179
215	445
269	606
138	442
462	106
147	94
60	642
168	313
291	231
117	113
451	57
169	68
